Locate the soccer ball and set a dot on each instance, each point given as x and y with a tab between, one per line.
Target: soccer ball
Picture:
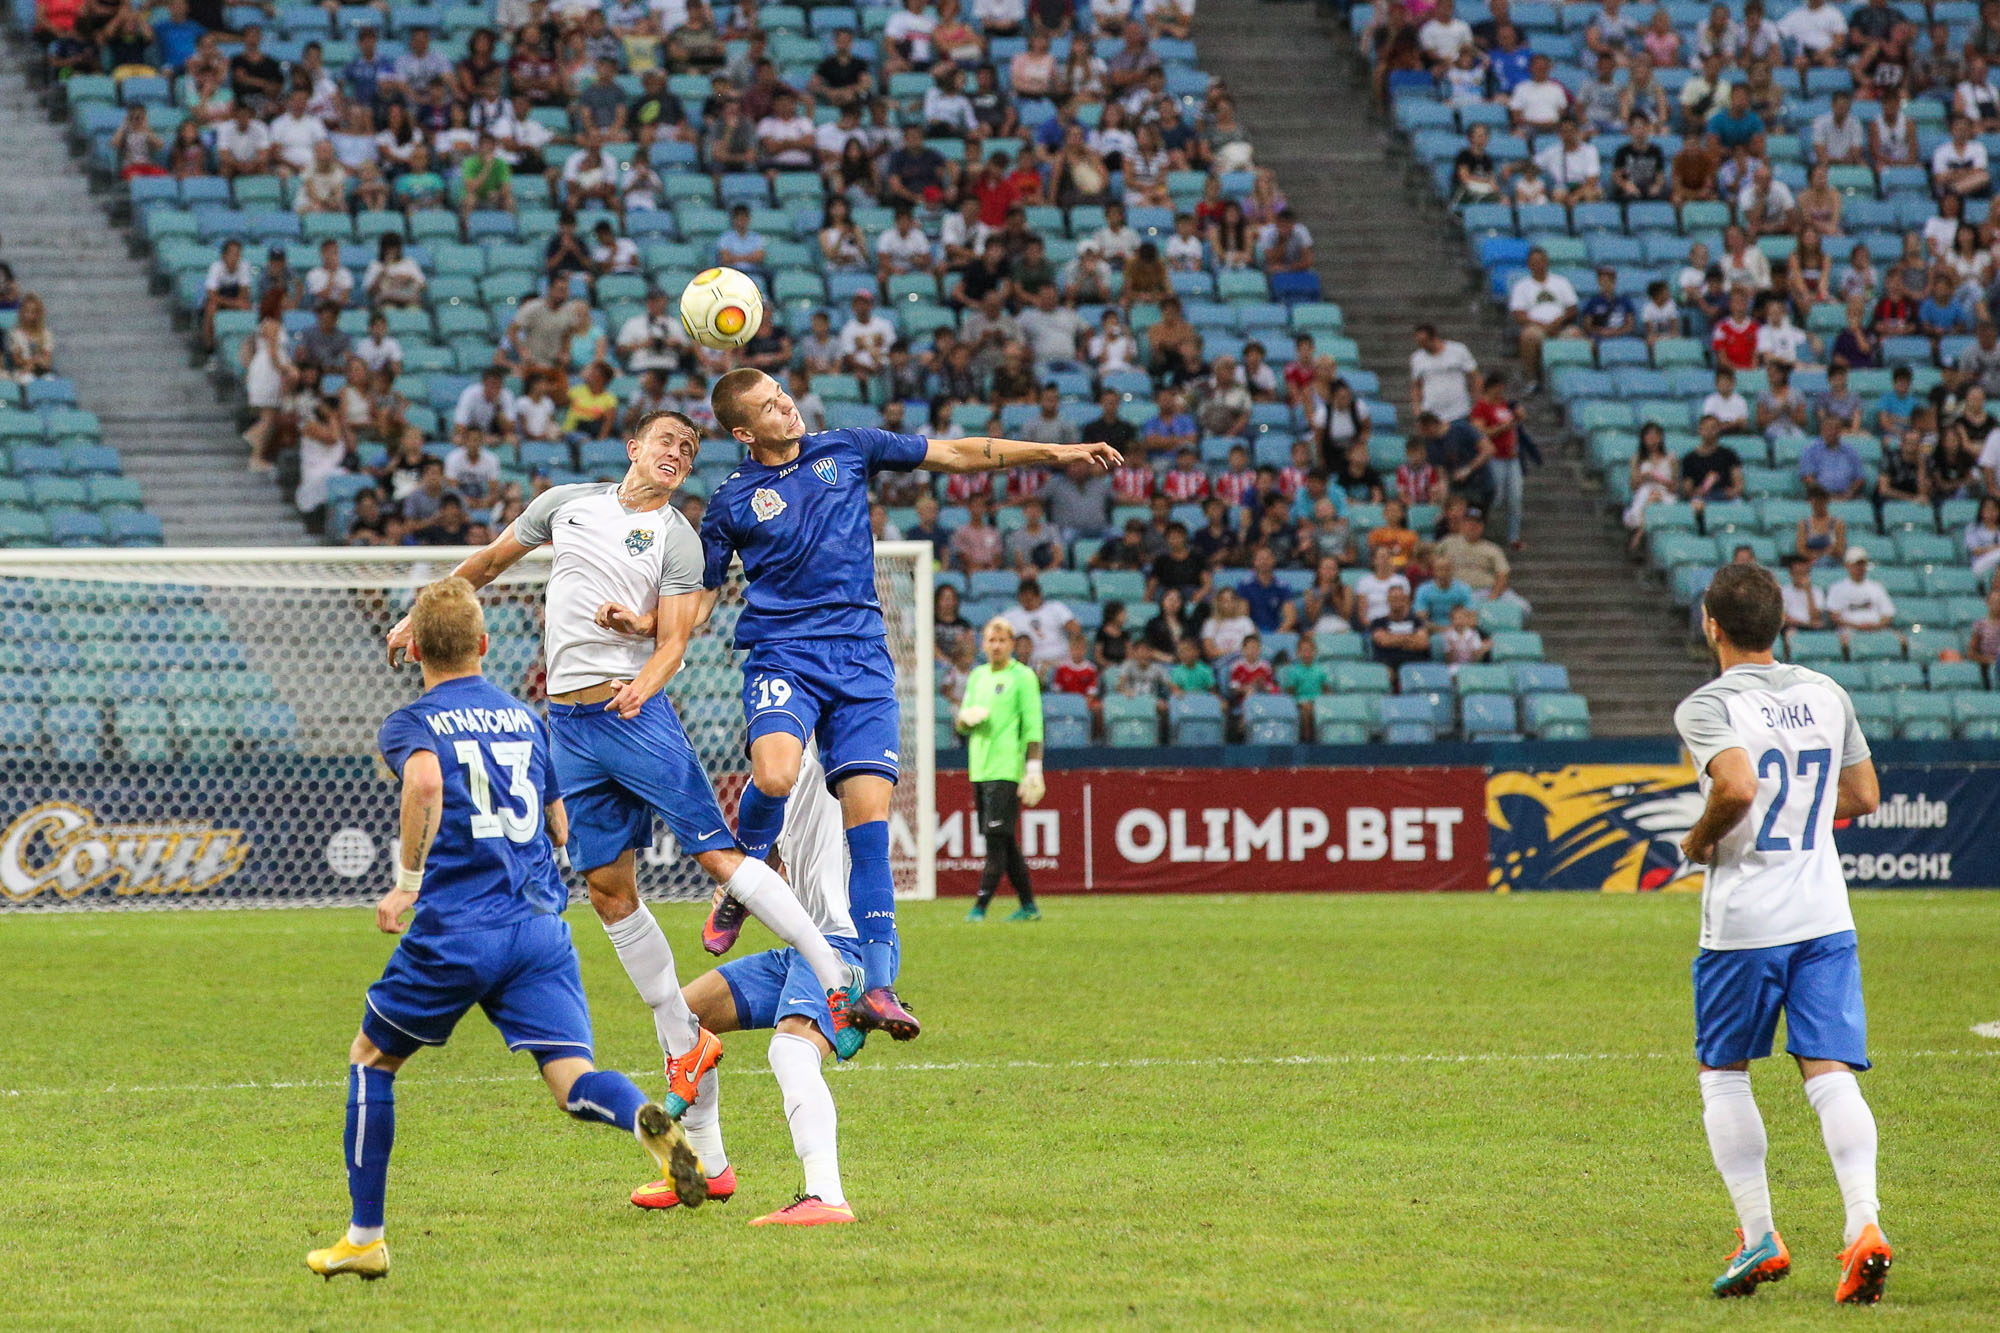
722	309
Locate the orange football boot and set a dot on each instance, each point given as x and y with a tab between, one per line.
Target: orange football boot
660	1194
807	1210
1864	1268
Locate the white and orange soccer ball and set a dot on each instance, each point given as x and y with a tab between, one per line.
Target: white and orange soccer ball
722	309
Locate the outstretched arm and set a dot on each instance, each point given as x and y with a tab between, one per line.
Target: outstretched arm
983	453
480	568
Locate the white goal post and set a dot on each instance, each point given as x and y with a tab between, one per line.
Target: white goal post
196	726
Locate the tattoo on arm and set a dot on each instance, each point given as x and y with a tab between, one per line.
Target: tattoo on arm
989	450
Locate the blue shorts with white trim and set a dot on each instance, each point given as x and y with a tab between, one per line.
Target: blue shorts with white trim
841	692
616	775
525	976
779	983
1815	984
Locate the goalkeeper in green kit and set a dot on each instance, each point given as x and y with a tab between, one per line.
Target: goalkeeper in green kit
1001	720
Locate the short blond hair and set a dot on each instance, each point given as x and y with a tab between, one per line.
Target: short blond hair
1000	622
447	624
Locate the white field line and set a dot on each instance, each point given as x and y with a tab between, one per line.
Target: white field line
998	1066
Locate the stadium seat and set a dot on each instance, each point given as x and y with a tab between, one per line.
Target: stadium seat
1271	719
1557	717
1065	721
1131	721
1345	719
1488	717
1195	719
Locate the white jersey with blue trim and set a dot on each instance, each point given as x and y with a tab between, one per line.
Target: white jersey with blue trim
1775	878
813	846
604	552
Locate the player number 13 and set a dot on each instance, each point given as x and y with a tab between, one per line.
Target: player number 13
519	825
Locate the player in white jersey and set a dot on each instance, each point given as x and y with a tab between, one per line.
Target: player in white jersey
774	989
621	756
1769	740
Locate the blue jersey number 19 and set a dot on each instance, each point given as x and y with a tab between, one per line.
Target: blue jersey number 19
518	825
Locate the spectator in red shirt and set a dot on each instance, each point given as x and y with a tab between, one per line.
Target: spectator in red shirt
1418	480
1735	336
1895	313
1132	484
1251	674
1293	475
1234	485
1494	417
961	487
1076	674
1185	482
1299	370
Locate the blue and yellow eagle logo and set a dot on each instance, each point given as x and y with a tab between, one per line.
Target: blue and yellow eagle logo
1612	827
639	540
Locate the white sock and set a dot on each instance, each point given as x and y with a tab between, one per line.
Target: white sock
649	960
363	1235
809	1109
1848	1127
703	1123
768	898
1736	1139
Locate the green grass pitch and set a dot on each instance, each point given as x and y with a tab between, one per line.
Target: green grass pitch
1227	1112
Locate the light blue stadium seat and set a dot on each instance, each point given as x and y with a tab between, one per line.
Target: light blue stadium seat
1195	719
1271	719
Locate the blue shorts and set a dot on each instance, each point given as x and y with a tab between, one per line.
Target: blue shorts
841	691
616	775
1738	994
524	976
778	983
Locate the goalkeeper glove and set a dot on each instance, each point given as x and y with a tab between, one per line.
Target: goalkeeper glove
970	718
1033	788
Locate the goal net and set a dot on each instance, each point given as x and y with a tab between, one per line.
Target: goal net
197	727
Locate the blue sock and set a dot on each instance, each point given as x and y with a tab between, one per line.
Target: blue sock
871	894
371	1133
759	818
606	1096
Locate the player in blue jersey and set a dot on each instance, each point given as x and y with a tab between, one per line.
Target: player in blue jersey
481	818
796	512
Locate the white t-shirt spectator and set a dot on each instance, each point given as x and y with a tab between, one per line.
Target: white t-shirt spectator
904	251
1781	342
1443	41
1116	244
1778	201
1051	335
468	477
1540	103
1440	378
295	137
1863	605
943	108
867	341
1569	168
1544	301
481	413
324	284
1223	635
241	279
1047	625
916	29
1813	30
1731	411
1800	603
774	129
648	344
536	418
1006	13
1950	157
245	144
621	256
1371	595
376	355
1989	453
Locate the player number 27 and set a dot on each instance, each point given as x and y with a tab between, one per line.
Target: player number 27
518	825
773	692
1773	762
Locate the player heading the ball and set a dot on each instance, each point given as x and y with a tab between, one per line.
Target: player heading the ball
481	819
1768	739
624	596
796	512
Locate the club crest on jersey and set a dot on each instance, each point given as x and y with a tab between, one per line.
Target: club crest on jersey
827	470
766	504
638	540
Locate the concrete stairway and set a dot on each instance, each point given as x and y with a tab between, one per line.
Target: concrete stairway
1392	256
117	340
